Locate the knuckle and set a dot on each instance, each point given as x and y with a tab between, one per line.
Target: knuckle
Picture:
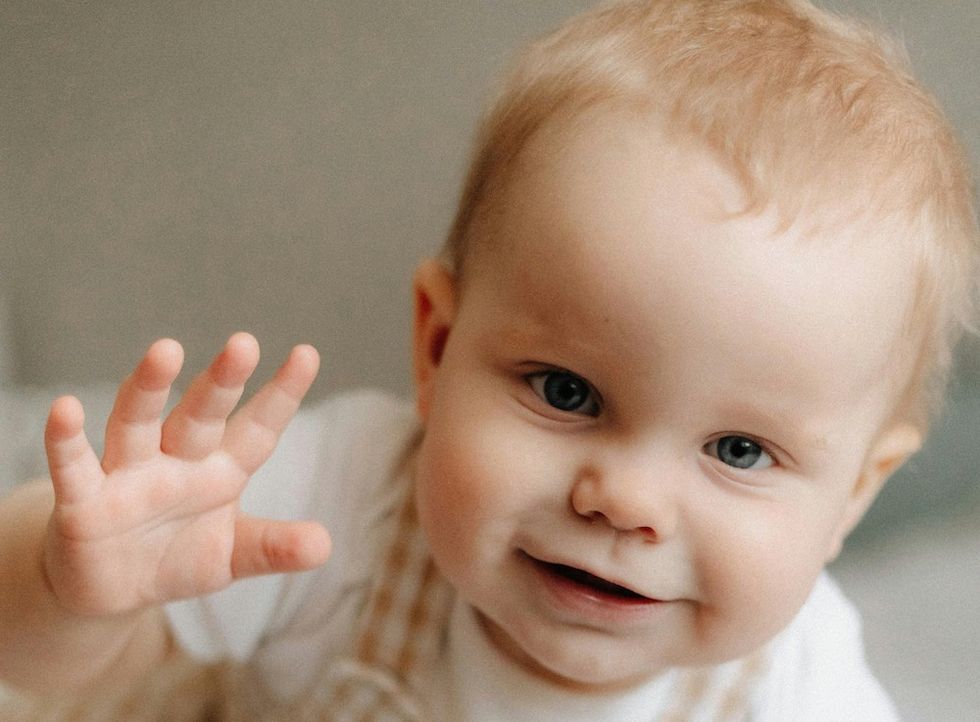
277	555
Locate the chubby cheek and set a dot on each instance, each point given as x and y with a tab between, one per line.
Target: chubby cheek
469	486
755	574
449	502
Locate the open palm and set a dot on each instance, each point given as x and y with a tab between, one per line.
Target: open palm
158	518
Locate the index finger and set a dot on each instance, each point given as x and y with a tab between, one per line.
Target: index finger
133	429
253	432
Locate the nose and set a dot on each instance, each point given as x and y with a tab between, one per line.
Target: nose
628	500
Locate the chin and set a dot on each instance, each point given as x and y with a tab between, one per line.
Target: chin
593	676
579	664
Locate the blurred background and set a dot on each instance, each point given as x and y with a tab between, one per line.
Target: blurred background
190	169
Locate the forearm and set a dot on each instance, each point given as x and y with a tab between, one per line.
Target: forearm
44	647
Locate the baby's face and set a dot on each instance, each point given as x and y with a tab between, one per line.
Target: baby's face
650	428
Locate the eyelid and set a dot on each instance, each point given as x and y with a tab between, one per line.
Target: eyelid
774	452
543	370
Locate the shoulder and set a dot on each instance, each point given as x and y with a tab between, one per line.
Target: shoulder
357	483
371	421
334	464
360	407
818	669
361	438
350	461
362	417
332	454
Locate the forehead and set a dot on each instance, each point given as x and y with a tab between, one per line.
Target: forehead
609	235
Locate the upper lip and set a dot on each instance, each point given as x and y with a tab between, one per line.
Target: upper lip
611	579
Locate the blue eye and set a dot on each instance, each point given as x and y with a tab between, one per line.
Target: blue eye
739	452
565	391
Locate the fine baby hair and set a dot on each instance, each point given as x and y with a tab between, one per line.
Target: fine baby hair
810	111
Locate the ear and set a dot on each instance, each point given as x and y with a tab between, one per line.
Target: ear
888	453
434	289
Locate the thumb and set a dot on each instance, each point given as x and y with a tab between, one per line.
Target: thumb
266	546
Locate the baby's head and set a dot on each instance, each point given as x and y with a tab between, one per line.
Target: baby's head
705	280
815	116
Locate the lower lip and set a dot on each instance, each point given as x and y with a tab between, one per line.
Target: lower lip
587	605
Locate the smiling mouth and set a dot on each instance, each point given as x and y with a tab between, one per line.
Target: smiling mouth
591	583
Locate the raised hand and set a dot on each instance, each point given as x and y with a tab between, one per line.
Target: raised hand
158	518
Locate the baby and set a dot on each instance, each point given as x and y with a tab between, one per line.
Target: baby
697	305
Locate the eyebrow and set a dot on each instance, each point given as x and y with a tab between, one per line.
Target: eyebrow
539	334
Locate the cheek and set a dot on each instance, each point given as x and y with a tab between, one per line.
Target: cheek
449	497
482	476
460	469
465	485
756	571
480	453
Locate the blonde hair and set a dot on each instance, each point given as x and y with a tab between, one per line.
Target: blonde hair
808	109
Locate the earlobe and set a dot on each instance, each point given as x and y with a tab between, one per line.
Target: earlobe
434	290
890	451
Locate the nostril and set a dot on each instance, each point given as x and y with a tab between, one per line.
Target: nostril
597	516
647	532
593	502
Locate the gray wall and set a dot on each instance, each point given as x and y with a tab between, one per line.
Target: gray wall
192	168
189	169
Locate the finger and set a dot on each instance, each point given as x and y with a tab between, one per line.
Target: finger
133	428
196	426
254	431
264	546
73	464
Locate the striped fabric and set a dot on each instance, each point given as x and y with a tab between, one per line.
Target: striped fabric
401	636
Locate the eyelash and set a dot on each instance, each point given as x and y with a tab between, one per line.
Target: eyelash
539	383
762	447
